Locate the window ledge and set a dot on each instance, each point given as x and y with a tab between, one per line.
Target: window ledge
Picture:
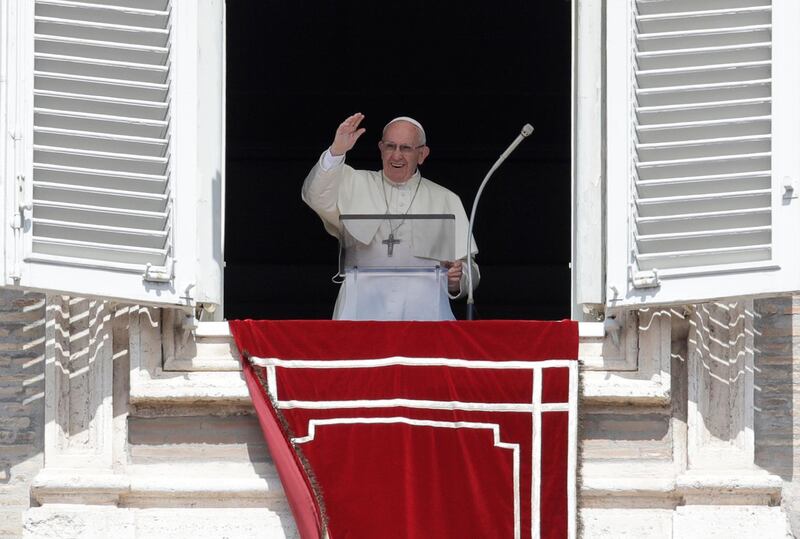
189	388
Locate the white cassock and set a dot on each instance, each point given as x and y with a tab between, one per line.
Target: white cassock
333	188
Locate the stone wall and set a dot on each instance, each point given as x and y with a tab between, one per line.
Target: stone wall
138	447
777	396
645	471
22	331
717	457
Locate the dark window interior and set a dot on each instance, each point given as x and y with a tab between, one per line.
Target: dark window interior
472	72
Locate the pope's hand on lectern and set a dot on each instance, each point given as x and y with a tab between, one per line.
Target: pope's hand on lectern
455	270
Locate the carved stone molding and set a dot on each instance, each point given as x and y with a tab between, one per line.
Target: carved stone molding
646	379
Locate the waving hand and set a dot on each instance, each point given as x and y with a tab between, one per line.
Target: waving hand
347	134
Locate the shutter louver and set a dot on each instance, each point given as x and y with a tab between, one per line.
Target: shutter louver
702	127
101	190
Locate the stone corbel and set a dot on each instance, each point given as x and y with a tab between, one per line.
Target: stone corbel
209	347
82	446
635	371
721	482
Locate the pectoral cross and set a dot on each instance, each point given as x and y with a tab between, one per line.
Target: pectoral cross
389	243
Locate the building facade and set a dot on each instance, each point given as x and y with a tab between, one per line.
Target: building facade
122	409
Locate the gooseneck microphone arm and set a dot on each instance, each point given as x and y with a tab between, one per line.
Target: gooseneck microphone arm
527	129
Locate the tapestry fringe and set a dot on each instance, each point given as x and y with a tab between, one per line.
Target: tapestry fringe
289	435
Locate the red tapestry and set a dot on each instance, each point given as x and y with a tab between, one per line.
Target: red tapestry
419	429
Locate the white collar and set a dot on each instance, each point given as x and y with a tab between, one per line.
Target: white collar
408	184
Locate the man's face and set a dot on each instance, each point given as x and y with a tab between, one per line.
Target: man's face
400	152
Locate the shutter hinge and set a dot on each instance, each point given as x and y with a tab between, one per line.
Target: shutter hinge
789	191
612	327
22	206
159	274
595	312
644	279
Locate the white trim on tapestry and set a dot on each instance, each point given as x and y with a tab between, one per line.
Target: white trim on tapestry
272	381
536	453
536	408
554	407
407	361
421	404
572	453
494	427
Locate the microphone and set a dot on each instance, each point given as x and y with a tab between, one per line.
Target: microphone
527	130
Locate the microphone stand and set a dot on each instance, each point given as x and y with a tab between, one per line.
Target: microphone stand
527	129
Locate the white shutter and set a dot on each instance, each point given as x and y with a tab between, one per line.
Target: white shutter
697	150
113	176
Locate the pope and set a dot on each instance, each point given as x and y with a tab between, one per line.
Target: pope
333	188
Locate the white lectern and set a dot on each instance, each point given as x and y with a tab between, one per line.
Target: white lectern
392	266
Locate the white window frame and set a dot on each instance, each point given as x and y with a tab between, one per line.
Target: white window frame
588	120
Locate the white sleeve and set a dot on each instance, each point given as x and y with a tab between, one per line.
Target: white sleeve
329	160
321	191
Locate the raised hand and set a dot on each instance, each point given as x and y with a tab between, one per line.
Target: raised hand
347	134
